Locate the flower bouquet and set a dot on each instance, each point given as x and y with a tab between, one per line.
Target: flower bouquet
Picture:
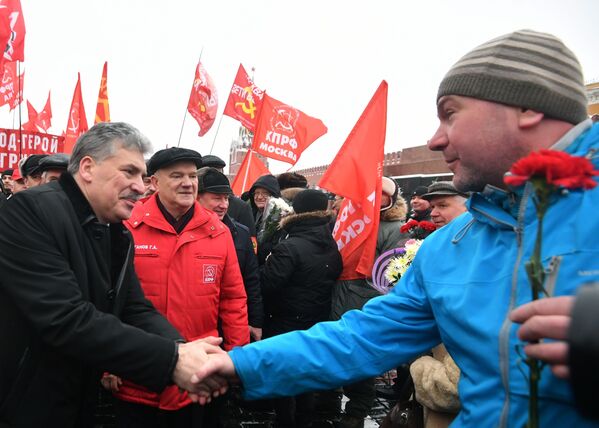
274	211
418	229
391	265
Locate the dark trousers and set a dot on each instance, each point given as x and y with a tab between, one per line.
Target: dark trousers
361	398
294	412
131	415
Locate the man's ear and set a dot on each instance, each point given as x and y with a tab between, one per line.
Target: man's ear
86	168
528	118
154	180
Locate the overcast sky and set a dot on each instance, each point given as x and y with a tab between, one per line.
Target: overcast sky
325	58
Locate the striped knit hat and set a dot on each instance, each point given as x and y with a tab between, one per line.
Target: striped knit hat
524	69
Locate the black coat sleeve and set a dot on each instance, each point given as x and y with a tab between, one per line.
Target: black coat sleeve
278	268
251	280
36	275
584	350
242	213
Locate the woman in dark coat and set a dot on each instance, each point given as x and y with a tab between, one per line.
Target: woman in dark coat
297	280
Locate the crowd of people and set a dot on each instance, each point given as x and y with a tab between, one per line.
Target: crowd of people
151	280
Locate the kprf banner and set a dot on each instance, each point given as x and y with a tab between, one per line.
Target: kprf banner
356	174
245	100
12	148
284	132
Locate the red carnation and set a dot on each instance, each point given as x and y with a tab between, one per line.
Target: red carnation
556	168
427	225
409	225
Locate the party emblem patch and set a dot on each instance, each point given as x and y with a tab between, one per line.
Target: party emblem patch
210	274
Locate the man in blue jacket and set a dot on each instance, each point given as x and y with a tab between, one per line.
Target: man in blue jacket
513	95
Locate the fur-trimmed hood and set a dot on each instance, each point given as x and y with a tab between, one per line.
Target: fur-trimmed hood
311	216
397	212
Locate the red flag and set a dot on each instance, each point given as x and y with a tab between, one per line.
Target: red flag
356	174
102	109
203	100
283	132
30	125
77	123
44	118
11	90
250	170
245	100
12	31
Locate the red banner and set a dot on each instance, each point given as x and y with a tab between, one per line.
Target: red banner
12	31
203	100
245	100
284	132
102	109
10	86
250	170
356	174
12	148
77	123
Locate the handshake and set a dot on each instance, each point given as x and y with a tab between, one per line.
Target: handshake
203	369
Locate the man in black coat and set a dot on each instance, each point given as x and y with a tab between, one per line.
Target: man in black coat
214	194
71	306
238	209
297	281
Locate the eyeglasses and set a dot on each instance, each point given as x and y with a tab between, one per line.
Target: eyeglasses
261	194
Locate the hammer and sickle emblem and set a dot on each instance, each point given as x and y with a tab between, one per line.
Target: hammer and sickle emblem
252	108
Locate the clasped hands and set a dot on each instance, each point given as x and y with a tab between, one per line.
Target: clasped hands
203	369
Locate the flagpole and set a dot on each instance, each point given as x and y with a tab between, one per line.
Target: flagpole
185	115
215	135
18	94
247	170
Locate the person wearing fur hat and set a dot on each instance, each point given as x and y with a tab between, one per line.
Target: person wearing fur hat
353	294
297	280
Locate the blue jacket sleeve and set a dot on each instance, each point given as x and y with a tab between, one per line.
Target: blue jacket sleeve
390	330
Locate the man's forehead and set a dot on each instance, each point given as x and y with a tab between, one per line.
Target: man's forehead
180	167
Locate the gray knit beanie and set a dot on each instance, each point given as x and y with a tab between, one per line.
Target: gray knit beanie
524	69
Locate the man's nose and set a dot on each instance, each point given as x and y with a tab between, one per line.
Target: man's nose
439	140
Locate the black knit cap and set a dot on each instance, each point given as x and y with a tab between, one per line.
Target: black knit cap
166	157
214	181
419	191
524	69
7	172
31	165
310	200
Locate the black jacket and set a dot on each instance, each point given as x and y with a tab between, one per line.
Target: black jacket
248	264
584	350
71	307
241	212
298	277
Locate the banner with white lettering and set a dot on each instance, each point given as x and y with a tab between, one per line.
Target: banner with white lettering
284	132
15	144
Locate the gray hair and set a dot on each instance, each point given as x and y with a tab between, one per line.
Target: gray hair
103	140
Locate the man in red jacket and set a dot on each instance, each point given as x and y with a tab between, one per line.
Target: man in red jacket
186	261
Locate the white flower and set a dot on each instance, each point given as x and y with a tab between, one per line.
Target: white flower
399	265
